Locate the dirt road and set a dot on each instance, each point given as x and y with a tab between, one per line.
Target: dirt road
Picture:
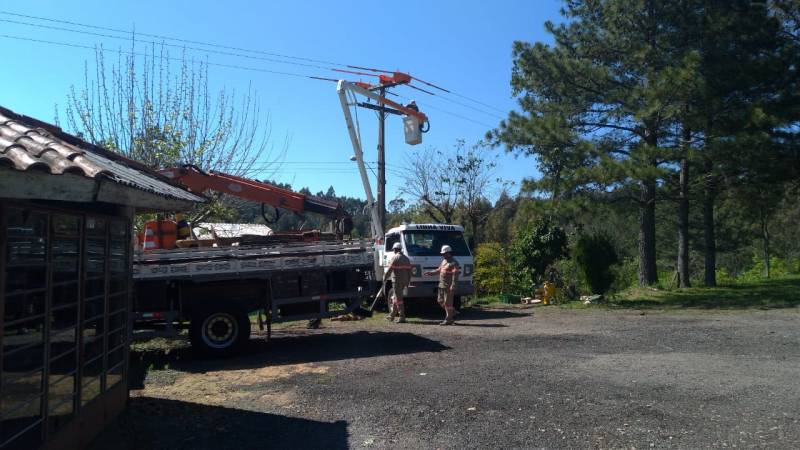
500	379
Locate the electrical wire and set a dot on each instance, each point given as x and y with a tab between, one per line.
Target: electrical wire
169	38
169	58
233	66
133	39
241	49
449	91
456	102
426	105
227	66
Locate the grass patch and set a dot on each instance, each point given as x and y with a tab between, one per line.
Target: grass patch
763	294
489	301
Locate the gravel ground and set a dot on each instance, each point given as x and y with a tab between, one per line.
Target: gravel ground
500	379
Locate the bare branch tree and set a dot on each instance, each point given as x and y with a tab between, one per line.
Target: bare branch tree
452	184
149	113
428	181
149	110
475	176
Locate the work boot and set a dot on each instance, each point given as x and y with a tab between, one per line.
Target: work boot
390	318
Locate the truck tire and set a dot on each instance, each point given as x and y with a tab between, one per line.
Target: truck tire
219	333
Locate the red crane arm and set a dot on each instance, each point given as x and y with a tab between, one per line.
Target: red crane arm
199	181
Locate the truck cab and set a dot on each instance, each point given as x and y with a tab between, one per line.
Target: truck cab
422	244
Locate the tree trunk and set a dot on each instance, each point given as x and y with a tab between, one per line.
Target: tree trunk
474	224
647	233
683	226
709	196
765	238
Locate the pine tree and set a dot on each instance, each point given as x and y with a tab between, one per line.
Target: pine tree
600	105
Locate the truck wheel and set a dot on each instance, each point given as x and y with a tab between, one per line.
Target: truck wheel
219	333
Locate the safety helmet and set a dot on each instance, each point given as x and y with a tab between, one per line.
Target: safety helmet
397	246
446	249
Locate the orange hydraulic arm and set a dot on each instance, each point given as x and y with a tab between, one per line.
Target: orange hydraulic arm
200	181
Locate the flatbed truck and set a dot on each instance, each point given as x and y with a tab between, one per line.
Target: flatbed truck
212	291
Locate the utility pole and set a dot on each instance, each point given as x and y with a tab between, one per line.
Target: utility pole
382	162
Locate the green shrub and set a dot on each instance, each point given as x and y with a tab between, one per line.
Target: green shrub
492	269
573	282
724	277
596	256
777	268
535	248
667	279
626	275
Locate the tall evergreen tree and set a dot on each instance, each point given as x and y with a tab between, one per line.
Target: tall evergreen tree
748	95
600	104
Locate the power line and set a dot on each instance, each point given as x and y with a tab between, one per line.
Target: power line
458	103
133	39
482	111
169	38
433	86
241	49
428	106
228	66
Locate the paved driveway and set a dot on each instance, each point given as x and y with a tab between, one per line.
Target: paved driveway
500	379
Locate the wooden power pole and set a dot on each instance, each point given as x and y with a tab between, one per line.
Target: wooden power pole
382	162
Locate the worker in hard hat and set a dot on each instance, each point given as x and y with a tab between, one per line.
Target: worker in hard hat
448	272
399	271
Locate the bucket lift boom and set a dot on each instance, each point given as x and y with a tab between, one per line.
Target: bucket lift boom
413	121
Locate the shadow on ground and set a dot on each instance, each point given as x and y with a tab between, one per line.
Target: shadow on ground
432	311
469	317
283	350
309	347
476	314
784	293
150	423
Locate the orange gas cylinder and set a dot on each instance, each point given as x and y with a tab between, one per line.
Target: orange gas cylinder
160	234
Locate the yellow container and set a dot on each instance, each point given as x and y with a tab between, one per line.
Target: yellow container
550	291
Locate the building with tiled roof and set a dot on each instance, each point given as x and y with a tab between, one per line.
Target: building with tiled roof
66	214
32	149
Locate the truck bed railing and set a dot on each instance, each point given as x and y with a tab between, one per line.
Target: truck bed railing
244	260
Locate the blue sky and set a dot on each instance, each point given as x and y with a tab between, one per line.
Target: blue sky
464	46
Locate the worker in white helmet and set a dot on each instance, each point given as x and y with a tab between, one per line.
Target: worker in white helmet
448	272
399	271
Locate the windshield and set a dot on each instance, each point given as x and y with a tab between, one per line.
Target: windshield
429	243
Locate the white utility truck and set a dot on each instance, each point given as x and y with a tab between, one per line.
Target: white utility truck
422	243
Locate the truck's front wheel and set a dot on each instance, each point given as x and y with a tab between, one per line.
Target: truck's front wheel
219	333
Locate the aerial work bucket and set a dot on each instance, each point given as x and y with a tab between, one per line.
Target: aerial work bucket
160	234
413	130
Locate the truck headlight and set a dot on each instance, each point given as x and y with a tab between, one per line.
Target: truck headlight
467	270
416	271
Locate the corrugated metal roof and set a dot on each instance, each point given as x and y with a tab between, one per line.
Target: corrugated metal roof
27	144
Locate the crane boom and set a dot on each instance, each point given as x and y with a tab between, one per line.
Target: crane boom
200	181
